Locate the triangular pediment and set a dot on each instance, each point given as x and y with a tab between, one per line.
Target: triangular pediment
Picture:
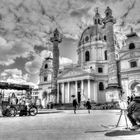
73	73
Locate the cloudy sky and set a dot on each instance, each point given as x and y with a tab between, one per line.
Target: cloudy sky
26	26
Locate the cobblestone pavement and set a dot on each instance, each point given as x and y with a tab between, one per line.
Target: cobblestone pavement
64	125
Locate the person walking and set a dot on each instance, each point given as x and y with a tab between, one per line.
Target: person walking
75	104
1	105
88	105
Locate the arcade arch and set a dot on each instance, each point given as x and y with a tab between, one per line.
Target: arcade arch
134	86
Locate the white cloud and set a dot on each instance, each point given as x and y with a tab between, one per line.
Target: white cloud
33	67
14	76
25	23
65	61
9	51
33	20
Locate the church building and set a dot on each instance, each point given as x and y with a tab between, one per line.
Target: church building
88	78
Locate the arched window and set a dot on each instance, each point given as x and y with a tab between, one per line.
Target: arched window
45	78
46	66
104	37
105	53
131	46
87	56
101	86
95	21
86	38
98	21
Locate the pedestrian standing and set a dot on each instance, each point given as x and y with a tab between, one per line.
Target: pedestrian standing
88	105
132	96
75	104
128	100
13	99
0	104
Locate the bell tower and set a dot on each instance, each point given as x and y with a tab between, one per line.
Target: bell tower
46	71
97	18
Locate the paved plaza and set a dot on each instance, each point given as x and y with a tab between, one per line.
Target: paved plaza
64	125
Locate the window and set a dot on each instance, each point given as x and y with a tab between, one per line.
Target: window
86	38
100	70
105	53
105	38
101	86
46	66
133	64
96	38
95	21
45	78
87	56
131	46
99	21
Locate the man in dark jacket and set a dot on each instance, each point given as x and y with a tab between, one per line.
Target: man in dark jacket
0	104
134	112
75	104
88	105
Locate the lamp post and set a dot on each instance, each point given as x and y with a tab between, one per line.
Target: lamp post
56	39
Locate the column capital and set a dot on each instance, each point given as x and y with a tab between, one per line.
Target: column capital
56	36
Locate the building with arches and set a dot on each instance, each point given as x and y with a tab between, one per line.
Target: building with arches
89	77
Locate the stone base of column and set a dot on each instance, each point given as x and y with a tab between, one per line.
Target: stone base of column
112	93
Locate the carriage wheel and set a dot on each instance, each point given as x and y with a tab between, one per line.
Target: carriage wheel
33	111
13	111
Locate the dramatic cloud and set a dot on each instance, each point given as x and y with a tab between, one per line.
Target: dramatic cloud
33	67
9	51
14	76
26	27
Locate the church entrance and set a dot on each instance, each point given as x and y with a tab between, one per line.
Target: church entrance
79	92
79	97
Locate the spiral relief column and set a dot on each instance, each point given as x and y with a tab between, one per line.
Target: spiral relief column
56	39
113	86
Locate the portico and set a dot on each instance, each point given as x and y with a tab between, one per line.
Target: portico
80	88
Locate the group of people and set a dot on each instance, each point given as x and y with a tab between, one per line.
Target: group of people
75	105
133	109
13	100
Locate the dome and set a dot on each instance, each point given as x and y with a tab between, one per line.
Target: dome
89	33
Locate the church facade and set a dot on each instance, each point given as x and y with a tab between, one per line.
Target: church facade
88	78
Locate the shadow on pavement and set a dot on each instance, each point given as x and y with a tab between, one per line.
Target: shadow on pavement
121	133
96	131
48	112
